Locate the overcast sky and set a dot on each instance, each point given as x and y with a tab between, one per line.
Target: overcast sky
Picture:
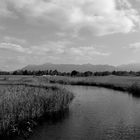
69	31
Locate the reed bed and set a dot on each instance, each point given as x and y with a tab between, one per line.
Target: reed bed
21	103
122	83
130	84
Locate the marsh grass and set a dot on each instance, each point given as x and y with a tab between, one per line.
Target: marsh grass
135	89
122	83
21	104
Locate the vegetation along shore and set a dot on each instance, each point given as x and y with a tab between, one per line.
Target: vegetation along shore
22	105
130	84
25	99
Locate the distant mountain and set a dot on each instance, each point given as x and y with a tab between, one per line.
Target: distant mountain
130	67
70	67
82	68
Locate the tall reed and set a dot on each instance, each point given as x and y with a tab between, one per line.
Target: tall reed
20	102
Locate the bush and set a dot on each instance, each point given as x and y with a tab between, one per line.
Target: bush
135	89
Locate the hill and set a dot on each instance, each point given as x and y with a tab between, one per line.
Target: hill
130	67
70	67
82	68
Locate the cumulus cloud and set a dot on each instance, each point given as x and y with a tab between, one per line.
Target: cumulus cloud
59	48
64	49
55	52
101	16
13	47
50	47
87	51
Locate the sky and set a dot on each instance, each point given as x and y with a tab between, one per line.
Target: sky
69	32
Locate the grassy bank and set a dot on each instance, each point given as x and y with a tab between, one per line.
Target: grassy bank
24	99
129	84
121	83
21	105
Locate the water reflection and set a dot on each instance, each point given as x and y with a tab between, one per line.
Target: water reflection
56	117
95	114
136	96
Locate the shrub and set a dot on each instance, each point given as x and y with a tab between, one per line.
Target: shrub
135	89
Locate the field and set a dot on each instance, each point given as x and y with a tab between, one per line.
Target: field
23	100
129	84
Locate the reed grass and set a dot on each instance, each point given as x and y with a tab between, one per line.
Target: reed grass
19	103
122	83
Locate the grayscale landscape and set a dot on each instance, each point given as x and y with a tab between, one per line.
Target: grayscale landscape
69	70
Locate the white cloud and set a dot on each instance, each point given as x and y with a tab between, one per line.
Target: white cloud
86	51
65	52
13	47
55	52
135	46
101	16
64	49
59	48
10	39
50	47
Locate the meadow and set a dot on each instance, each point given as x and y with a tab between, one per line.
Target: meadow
24	100
130	84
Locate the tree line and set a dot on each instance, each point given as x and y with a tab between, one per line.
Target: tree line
73	73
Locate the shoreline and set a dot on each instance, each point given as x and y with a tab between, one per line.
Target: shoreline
23	106
133	89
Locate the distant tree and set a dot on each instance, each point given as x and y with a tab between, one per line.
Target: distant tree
114	73
25	72
74	73
55	72
87	73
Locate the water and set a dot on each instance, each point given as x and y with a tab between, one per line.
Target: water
95	114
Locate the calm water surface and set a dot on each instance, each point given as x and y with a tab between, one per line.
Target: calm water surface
95	114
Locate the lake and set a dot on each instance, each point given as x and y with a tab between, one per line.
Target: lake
95	114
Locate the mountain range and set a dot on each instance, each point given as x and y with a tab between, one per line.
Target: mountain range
83	67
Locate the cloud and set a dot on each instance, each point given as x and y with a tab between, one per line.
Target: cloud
13	47
12	63
86	51
101	16
10	39
50	47
59	48
56	52
4	9
64	49
135	46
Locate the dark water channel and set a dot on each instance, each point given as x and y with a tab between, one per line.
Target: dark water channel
95	114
